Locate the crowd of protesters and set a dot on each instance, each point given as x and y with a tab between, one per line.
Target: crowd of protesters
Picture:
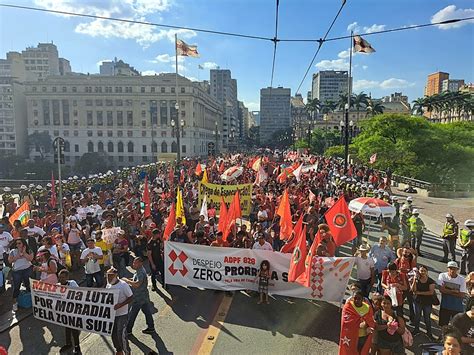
388	273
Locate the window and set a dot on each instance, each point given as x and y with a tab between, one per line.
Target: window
128	89
90	147
130	147
74	114
75	133
100	147
152	89
162	90
110	118
130	118
164	147
76	148
64	89
88	89
54	89
98	102
119	133
67	146
144	148
183	149
35	88
118	103
100	133
120	147
130	159
154	147
120	158
119	118
144	159
153	112
65	105
143	133
142	89
88	102
89	133
56	118
183	90
66	133
98	89
100	118
35	113
129	133
163	134
46	112
173	90
143	113
74	89
55	133
174	147
118	89
128	103
109	102
164	113
90	120
110	147
110	133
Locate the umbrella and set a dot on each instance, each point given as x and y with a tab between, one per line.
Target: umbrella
232	173
372	207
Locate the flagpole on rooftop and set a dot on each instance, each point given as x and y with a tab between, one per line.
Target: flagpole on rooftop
348	107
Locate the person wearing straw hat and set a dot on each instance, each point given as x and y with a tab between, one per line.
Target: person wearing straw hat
365	269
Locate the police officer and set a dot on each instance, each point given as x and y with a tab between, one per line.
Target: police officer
409	204
450	234
416	231
405	225
466	241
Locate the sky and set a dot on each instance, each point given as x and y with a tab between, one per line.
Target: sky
401	62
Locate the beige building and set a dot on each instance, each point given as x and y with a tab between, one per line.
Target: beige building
43	60
126	117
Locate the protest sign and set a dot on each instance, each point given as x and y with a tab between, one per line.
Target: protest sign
110	234
88	309
237	269
215	191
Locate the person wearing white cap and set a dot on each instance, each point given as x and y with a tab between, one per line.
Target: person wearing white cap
450	234
453	290
466	241
365	269
416	230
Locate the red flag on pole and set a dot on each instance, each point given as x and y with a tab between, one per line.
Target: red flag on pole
297	262
237	206
171	222
198	170
304	278
53	200
233	213
181	177
373	158
221	167
291	244
146	199
340	222
284	211
222	216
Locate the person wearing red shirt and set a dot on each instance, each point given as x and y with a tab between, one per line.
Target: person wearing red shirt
327	239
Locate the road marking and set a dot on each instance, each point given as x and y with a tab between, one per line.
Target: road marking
210	338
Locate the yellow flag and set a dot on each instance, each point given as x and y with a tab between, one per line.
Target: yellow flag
204	176
180	206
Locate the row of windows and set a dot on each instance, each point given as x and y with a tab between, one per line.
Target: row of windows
91	147
105	89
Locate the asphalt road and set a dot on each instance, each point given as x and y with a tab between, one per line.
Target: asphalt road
193	321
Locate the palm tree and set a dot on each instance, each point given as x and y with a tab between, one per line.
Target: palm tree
341	103
418	105
360	100
313	106
328	107
373	108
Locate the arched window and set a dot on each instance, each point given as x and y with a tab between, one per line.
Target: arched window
154	147
174	147
164	147
110	147
100	147
130	147
120	147
90	147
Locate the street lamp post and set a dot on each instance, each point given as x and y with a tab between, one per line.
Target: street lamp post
177	129
216	133
346	137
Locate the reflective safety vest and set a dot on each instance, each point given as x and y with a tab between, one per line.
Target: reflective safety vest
448	229
415	224
465	236
369	194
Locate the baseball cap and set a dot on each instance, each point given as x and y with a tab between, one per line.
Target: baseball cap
453	264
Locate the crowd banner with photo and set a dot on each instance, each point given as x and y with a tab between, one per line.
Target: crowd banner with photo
87	309
110	234
215	191
236	269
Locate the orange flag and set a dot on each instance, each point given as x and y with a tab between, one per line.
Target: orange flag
304	278
297	262
236	201
22	214
221	167
284	211
146	199
222	216
233	213
291	244
198	170
171	223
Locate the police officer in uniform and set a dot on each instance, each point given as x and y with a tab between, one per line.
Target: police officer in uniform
466	241
450	234
416	231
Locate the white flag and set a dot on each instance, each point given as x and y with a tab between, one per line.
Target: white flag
204	209
297	172
261	176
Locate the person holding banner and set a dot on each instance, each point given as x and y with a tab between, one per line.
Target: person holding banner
119	330
20	258
71	335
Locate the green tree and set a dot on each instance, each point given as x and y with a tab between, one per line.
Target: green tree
418	105
373	108
41	142
92	163
360	100
313	106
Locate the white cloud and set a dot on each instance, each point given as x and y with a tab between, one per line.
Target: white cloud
252	106
210	65
335	64
364	84
181	68
365	29
150	73
126	9
394	83
192	78
364	67
99	63
166	58
451	12
344	54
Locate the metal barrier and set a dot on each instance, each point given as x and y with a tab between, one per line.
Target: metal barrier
413	182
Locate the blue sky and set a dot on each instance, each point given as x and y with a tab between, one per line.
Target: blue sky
401	62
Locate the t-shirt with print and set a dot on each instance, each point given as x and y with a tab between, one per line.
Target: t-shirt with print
465	325
458	283
363	267
124	292
140	294
92	265
5	240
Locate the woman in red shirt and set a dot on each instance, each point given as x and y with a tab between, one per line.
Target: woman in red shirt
394	279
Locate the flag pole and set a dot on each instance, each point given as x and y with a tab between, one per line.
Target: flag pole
178	155
346	123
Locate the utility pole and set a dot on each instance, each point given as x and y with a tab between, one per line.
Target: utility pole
58	144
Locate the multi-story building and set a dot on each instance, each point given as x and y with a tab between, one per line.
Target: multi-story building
117	67
327	85
452	85
12	105
42	60
224	89
434	84
127	118
299	115
256	117
64	66
395	97
275	111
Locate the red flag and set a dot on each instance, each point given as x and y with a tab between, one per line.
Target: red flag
236	200
304	278
171	222
221	167
233	213
222	216
340	222
53	192
373	158
198	170
181	177
350	325
146	199
291	244
171	175
284	211
297	262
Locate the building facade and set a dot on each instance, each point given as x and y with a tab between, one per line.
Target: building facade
299	115
126	118
117	67
327	85
64	66
395	97
434	83
224	89
275	111
452	85
42	60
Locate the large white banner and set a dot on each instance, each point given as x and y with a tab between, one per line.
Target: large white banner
88	309
236	269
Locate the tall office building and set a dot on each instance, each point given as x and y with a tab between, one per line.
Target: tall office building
434	83
327	85
275	111
127	118
117	67
452	85
64	66
42	60
256	117
224	89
